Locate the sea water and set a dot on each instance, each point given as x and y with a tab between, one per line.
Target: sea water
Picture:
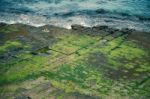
133	14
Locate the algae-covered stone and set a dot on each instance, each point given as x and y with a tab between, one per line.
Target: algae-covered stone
79	63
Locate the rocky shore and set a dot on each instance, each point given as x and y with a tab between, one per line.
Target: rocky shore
50	62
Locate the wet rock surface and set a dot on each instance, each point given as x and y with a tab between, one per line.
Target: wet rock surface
81	63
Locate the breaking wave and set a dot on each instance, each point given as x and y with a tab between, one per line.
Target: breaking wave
133	14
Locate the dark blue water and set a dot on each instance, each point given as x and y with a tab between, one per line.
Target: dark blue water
115	13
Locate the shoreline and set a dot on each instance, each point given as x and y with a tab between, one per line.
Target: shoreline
77	26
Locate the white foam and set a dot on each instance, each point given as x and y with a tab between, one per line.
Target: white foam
84	20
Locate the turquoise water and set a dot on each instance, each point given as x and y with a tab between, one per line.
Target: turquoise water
116	13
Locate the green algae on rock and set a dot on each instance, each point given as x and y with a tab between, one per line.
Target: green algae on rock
77	63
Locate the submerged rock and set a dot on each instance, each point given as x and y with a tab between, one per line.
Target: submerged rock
77	27
127	30
100	27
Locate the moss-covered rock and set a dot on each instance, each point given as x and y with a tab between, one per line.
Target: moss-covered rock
78	63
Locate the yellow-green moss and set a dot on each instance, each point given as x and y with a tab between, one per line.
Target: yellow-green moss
8	45
128	52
